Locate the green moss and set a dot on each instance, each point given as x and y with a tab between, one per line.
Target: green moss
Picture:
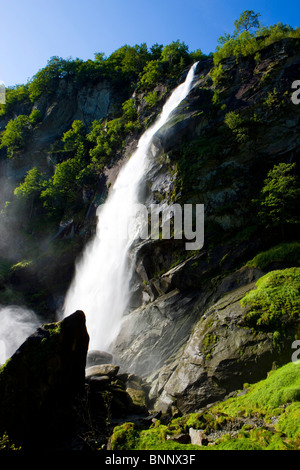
127	437
274	401
280	387
289	422
209	342
124	437
238	444
285	252
275	302
21	265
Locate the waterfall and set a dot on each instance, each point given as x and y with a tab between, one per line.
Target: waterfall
101	283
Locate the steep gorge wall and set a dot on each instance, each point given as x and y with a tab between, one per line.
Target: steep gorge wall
182	330
187	336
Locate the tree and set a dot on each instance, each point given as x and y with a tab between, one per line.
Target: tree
175	51
156	51
279	197
247	20
32	185
99	57
14	135
151	74
30	190
75	136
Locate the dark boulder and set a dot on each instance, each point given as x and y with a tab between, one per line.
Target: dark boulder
40	381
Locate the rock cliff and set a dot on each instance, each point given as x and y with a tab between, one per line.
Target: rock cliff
185	330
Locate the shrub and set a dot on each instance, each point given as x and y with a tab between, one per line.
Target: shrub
32	186
237	124
14	96
151	74
279	197
151	99
15	133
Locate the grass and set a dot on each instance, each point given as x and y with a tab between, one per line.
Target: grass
266	417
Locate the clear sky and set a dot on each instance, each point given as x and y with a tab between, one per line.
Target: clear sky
34	30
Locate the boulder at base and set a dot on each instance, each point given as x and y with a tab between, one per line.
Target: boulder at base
40	381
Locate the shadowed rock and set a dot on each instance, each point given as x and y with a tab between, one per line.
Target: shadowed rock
39	382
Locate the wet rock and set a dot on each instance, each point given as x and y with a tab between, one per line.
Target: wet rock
219	357
97	382
102	369
95	357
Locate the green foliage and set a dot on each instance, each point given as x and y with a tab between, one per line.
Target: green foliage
7	444
46	80
61	193
128	437
279	197
35	116
242	125
235	121
105	140
129	110
289	422
175	53
32	186
274	98
275	302
151	99
209	342
99	57
14	135
243	42
151	74
128	60
14	96
196	55
18	130
74	137
286	252
217	74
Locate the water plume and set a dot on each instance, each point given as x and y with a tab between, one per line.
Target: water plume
16	324
101	286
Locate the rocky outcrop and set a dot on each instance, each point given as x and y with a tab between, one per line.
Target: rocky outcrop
173	302
184	331
193	347
87	103
220	355
39	383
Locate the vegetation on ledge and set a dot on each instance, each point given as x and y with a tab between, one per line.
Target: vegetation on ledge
263	416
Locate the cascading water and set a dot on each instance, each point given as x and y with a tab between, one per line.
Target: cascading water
101	284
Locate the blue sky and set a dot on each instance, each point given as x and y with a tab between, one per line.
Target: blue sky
35	30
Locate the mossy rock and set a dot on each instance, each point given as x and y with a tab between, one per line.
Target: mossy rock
139	399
